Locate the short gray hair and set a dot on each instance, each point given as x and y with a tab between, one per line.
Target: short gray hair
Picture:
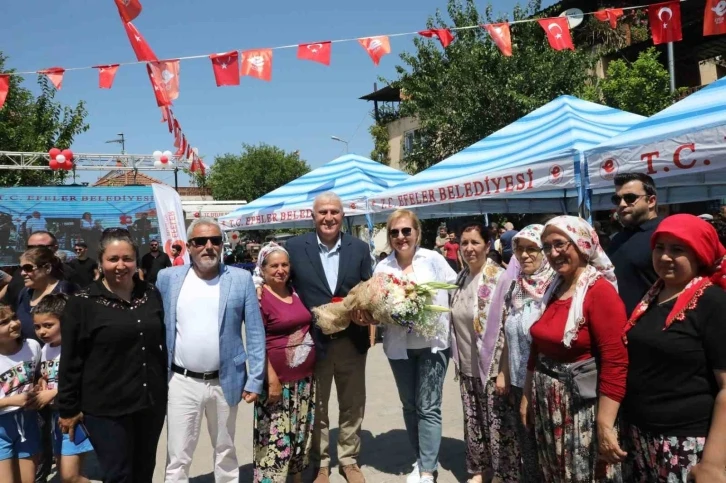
328	196
202	222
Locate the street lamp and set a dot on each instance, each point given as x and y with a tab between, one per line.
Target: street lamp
336	138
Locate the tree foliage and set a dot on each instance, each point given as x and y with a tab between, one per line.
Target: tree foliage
379	133
641	87
36	124
470	90
253	173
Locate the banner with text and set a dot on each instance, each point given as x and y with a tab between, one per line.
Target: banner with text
171	219
689	153
545	176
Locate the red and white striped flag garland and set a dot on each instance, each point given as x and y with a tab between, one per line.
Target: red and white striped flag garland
610	15
257	63
444	35
226	68
376	47
502	37
4	88
54	75
558	32
315	52
106	75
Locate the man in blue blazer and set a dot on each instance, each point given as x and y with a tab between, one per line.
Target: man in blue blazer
205	304
325	265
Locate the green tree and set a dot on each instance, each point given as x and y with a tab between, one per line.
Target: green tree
36	124
255	172
641	87
470	90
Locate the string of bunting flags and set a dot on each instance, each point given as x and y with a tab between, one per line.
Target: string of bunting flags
229	67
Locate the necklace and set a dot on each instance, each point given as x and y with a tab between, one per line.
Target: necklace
672	297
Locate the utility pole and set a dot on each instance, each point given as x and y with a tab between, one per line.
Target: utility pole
121	140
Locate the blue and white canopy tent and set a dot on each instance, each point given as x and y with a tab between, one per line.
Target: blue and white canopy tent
353	178
683	148
530	166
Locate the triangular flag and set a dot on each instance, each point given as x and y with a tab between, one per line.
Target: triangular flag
444	35
316	52
166	72
558	32
609	15
376	47
106	75
502	37
665	22
138	43
55	75
714	18
226	68
128	9
4	88
257	63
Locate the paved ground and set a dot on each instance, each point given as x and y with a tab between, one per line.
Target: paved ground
386	453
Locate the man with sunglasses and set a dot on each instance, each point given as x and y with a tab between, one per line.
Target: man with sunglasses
636	203
154	261
205	305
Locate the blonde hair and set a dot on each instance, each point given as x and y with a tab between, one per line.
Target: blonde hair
397	215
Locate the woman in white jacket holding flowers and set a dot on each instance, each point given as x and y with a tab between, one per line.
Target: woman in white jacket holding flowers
419	364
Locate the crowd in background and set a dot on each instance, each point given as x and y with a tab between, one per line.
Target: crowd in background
575	363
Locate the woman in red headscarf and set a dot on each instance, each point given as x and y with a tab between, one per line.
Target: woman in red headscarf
674	412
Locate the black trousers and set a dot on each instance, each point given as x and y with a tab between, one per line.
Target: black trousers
126	446
45	461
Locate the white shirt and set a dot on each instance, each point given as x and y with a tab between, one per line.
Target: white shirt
49	364
428	266
197	324
17	372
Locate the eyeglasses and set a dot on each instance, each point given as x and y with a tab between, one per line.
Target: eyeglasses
531	251
394	232
28	268
629	198
201	241
558	247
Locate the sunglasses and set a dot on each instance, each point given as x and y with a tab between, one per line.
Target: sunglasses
394	232
40	246
79	250
201	241
629	198
28	268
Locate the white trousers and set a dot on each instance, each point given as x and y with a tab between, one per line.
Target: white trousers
189	399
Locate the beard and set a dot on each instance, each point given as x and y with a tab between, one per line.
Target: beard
208	261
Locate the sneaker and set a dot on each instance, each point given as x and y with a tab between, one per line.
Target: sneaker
415	475
427	479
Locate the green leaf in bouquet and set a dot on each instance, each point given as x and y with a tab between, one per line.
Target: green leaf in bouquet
439	285
436	308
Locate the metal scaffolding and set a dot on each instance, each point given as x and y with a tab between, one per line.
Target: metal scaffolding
84	162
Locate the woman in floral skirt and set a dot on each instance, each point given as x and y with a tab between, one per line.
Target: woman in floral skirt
674	412
284	414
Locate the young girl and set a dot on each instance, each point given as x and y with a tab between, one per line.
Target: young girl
19	432
46	318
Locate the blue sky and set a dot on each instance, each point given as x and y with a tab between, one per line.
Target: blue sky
301	108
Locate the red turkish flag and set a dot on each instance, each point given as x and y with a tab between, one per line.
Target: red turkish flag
316	52
177	137
189	151
502	36
4	88
558	32
138	43
197	165
609	15
714	19
226	68
184	144
168	117
444	35
665	22
106	75
55	75
128	9
162	98
257	63
179	150
376	47
166	75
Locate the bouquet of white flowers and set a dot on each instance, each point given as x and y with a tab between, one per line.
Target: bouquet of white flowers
392	300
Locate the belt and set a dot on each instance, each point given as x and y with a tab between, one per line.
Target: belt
204	376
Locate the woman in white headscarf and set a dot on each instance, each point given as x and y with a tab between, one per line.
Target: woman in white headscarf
575	396
522	308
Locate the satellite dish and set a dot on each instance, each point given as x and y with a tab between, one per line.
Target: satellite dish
575	16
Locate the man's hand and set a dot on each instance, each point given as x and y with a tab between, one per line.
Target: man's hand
363	318
250	397
274	392
68	425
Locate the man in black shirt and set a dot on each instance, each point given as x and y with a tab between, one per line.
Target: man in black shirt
154	261
87	269
636	202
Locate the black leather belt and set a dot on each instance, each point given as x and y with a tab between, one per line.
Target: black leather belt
204	376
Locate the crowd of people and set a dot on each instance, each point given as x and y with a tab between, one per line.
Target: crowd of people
574	365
